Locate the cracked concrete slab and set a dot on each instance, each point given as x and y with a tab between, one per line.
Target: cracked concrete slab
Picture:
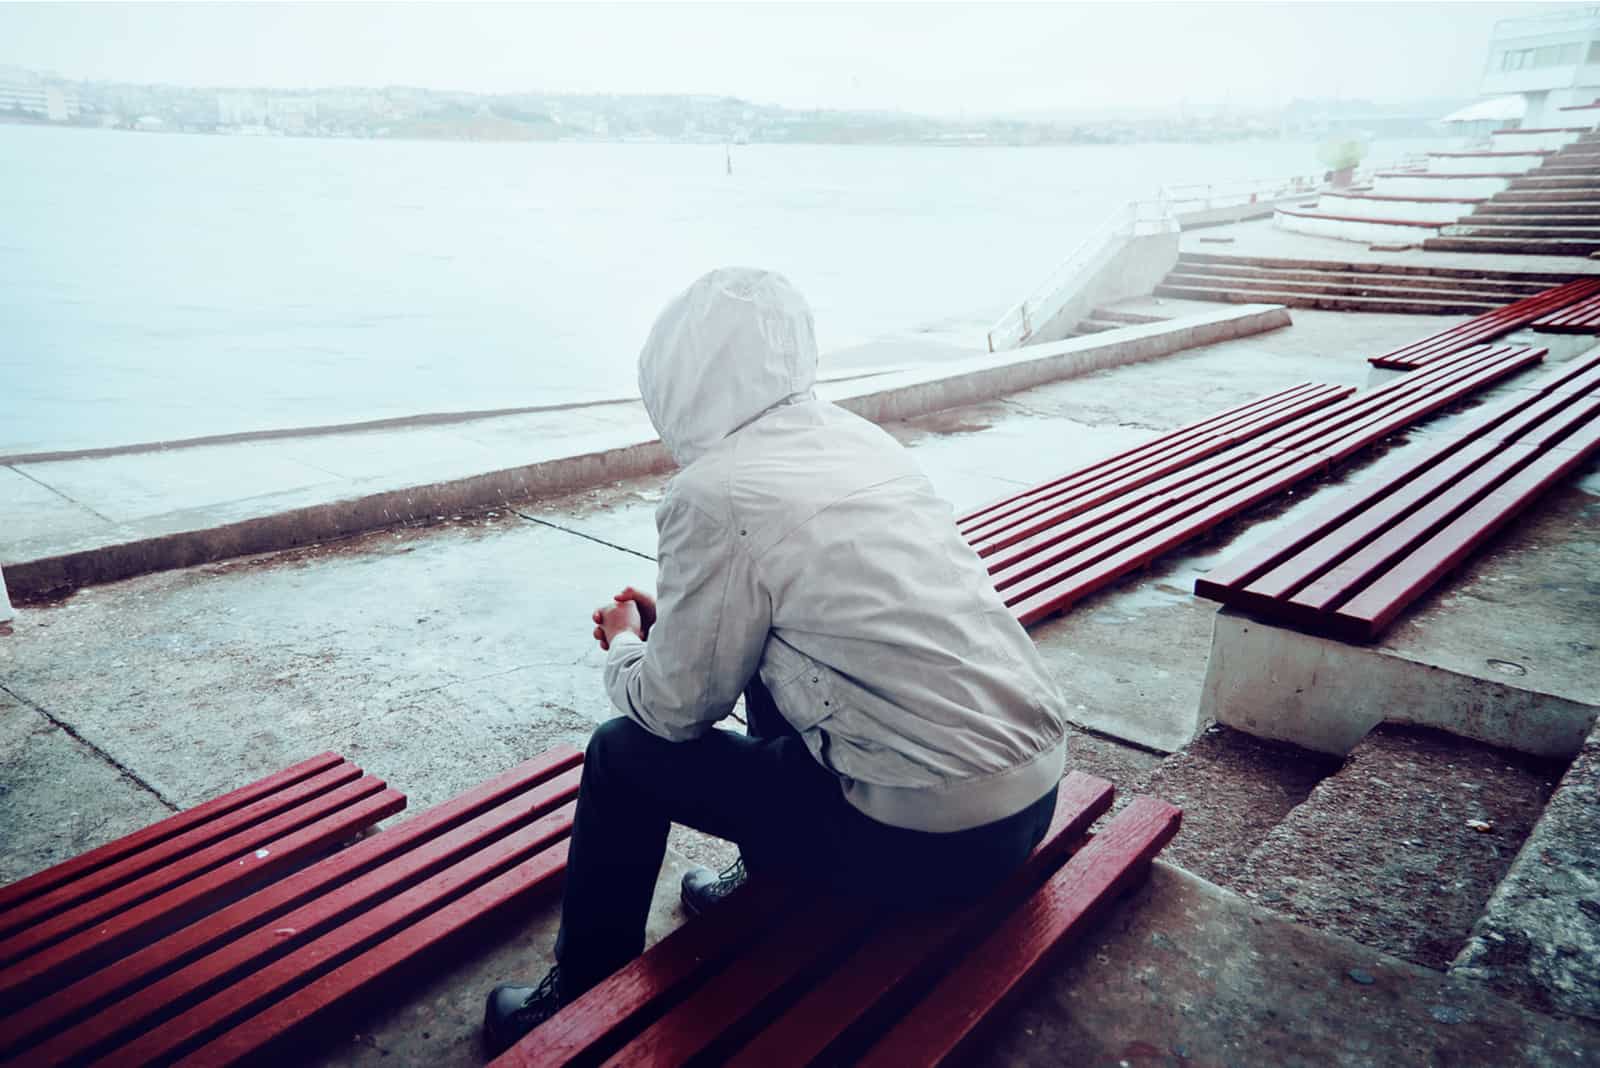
58	797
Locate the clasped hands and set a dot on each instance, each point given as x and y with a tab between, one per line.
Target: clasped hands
631	610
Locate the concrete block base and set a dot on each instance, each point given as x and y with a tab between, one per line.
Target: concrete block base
7	614
1326	695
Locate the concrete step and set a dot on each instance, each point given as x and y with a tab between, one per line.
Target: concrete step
1233	789
1402	847
1497	206
1392	305
1095	326
1485	294
1394	284
1538	941
1565	170
1545	278
1545	196
1498	218
1119	315
1477	228
1540	182
1517	246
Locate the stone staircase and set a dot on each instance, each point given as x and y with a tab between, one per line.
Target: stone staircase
1102	319
1553	209
1419	844
1348	286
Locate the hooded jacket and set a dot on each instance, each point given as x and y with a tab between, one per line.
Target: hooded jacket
803	543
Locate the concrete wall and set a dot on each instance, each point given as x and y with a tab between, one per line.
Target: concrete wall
1353	229
1326	695
1518	140
1474	164
1133	271
1415	185
1447	211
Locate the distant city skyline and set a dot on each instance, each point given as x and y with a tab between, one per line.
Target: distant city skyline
938	60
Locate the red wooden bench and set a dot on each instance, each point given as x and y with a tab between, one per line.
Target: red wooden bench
1349	570
1580	318
776	977
1488	326
198	976
1052	545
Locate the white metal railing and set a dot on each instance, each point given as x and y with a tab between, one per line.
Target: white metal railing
1202	196
1069	275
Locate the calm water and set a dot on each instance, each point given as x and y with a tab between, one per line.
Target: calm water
163	286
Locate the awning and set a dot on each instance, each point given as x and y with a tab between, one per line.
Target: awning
1497	109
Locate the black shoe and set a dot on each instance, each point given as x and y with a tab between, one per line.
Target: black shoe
704	889
512	1011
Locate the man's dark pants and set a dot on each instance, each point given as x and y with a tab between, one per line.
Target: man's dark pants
785	811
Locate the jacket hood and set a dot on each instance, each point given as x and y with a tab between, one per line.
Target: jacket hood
735	344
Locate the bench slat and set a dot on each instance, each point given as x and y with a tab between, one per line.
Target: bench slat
937	1029
202	977
908	949
34	885
1339	583
1370	611
28	967
1488	326
174	848
276	999
138	972
600	1020
1164	443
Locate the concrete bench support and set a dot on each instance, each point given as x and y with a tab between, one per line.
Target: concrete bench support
1325	695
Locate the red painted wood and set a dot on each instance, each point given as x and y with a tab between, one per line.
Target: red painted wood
272	1001
136	972
237	865
204	976
1100	482
729	999
1489	325
1049	512
1074	587
1368	613
1403	495
913	946
158	856
1339	583
597	1023
156	833
1580	318
975	990
33	956
1544	422
1155	445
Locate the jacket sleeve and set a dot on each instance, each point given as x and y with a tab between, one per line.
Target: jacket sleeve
711	626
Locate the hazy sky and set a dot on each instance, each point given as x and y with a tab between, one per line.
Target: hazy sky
942	59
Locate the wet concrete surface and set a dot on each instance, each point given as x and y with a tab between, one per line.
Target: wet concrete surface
1401	848
438	655
1184	974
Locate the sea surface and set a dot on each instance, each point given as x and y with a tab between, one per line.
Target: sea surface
163	286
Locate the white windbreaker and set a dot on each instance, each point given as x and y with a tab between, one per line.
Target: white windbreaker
803	542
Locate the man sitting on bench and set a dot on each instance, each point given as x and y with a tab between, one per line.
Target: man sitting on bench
904	739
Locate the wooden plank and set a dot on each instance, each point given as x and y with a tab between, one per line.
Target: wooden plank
204	976
60	952
1409	491
171	827
598	1022
138	971
941	1026
1341	582
1158	444
1074	587
159	856
1101	481
1043	515
1487	326
1367	614
909	948
275	1000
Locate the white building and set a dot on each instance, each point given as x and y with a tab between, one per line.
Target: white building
241	109
1552	61
24	91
